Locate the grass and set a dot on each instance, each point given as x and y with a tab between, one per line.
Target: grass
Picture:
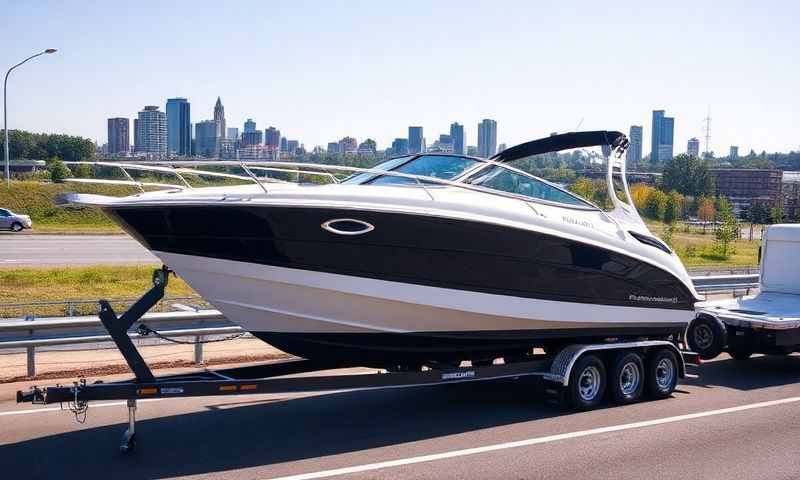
697	249
37	199
27	285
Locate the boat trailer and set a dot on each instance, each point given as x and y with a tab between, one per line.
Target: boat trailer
563	380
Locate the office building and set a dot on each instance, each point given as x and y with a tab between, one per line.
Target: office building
205	138
400	146
415	140
272	138
633	156
285	144
457	134
252	138
790	189
249	126
743	187
693	147
219	119
333	147
233	134
151	132
661	137
472	151
487	138
179	127
292	146
119	136
348	145
734	152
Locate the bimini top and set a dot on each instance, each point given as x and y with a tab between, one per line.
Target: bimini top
563	141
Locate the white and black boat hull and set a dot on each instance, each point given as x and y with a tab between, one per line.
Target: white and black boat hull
416	288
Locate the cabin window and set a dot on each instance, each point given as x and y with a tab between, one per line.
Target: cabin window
438	166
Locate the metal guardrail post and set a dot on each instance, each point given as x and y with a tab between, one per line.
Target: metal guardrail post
198	350
31	361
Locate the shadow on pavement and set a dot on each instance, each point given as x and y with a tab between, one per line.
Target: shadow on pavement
754	373
265	433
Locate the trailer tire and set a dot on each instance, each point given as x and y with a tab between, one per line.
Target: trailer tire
587	383
626	380
707	336
661	375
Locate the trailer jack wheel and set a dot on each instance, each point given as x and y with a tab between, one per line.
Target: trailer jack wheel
128	444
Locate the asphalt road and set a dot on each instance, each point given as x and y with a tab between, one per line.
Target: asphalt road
44	250
737	420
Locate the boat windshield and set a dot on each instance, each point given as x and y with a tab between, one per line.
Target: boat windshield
446	167
390	164
506	180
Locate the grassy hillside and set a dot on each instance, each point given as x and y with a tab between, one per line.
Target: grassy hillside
25	285
38	200
696	249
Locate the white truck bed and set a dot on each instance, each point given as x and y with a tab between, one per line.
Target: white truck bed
766	310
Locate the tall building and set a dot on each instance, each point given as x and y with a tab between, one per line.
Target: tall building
633	156
151	132
233	134
205	137
292	146
272	138
457	134
249	126
487	138
734	152
693	147
219	119
333	147
400	146
252	138
661	137
179	127
119	136
348	145
285	144
415	140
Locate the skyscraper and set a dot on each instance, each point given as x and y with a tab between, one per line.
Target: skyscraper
487	138
272	138
233	134
400	146
249	126
205	135
151	132
285	144
179	127
734	152
292	146
457	135
693	147
119	136
219	119
661	137
252	138
348	145
415	140
633	156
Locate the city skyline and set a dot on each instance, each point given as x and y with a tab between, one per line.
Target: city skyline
743	73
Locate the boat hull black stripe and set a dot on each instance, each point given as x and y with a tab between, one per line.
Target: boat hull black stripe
410	248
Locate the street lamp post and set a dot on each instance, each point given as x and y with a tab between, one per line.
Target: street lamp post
5	110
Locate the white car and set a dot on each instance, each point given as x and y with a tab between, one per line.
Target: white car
14	221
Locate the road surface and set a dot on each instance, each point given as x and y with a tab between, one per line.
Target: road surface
59	250
738	420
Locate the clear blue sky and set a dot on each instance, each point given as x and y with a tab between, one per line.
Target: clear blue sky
322	70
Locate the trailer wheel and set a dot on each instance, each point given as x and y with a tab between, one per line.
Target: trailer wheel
626	381
661	375
587	383
707	336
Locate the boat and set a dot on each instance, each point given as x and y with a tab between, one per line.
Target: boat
424	259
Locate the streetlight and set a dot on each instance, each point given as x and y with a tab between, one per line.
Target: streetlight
5	109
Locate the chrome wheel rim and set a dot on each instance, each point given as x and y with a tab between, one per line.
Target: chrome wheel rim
589	383
16	227
629	378
665	373
703	336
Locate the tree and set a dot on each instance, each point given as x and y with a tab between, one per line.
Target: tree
776	215
639	193
673	207
728	229
583	187
688	175
656	204
705	211
58	171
